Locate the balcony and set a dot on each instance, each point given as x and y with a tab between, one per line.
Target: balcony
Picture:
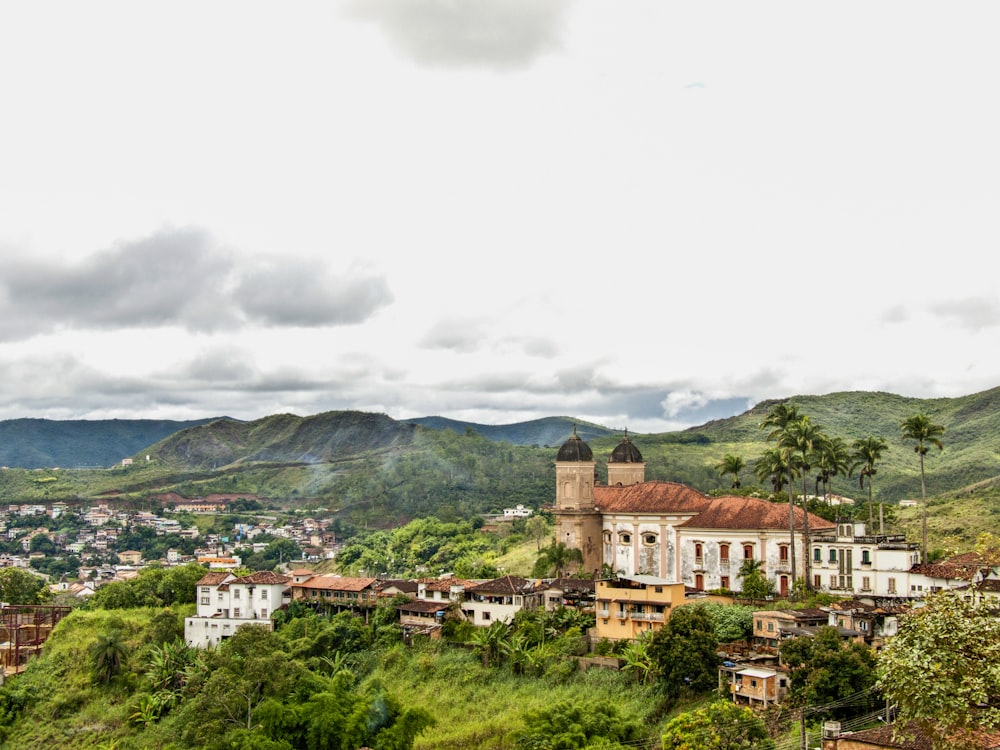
648	616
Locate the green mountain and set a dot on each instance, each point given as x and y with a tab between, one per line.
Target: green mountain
34	443
375	470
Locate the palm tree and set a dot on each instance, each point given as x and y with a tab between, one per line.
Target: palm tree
731	464
107	655
867	452
832	459
772	467
556	558
780	416
920	428
803	439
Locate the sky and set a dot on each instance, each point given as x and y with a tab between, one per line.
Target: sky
643	214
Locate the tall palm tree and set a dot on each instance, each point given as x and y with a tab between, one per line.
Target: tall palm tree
804	439
868	452
731	465
920	428
772	467
780	416
832	459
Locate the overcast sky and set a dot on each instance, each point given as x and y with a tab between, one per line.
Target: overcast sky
642	214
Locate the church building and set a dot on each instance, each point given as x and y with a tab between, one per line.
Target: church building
668	530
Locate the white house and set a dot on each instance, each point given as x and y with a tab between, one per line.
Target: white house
225	602
501	598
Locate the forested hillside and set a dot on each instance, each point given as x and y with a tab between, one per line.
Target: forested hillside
377	471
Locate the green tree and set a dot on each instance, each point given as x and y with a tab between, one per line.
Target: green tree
825	668
942	668
107	656
832	459
18	586
772	466
555	559
568	726
685	652
925	433
777	420
755	583
537	527
721	725
867	453
802	438
733	622
731	465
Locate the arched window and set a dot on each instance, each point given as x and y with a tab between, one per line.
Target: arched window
649	538
624	538
748	552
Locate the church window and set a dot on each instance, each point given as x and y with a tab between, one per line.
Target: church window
624	538
607	537
649	538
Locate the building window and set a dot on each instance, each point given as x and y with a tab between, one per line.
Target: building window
263	613
759	625
833	555
204	589
724	582
724	553
219	596
236	612
236	593
892	585
649	538
866	557
866	583
817	555
817	582
607	537
783	553
486	615
206	600
624	538
833	582
263	595
748	552
770	627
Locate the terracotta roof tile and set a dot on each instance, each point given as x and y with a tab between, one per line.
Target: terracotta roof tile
751	513
337	583
654	497
946	571
214	578
262	578
506	585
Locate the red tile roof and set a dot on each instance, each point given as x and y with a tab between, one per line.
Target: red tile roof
262	578
506	585
946	571
650	497
337	583
214	578
751	513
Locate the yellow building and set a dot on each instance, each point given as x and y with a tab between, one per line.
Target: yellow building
627	607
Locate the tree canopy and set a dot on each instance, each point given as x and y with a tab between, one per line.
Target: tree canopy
942	668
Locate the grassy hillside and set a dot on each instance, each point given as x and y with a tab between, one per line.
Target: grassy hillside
377	471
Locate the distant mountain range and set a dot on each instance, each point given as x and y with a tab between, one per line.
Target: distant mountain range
78	443
405	468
